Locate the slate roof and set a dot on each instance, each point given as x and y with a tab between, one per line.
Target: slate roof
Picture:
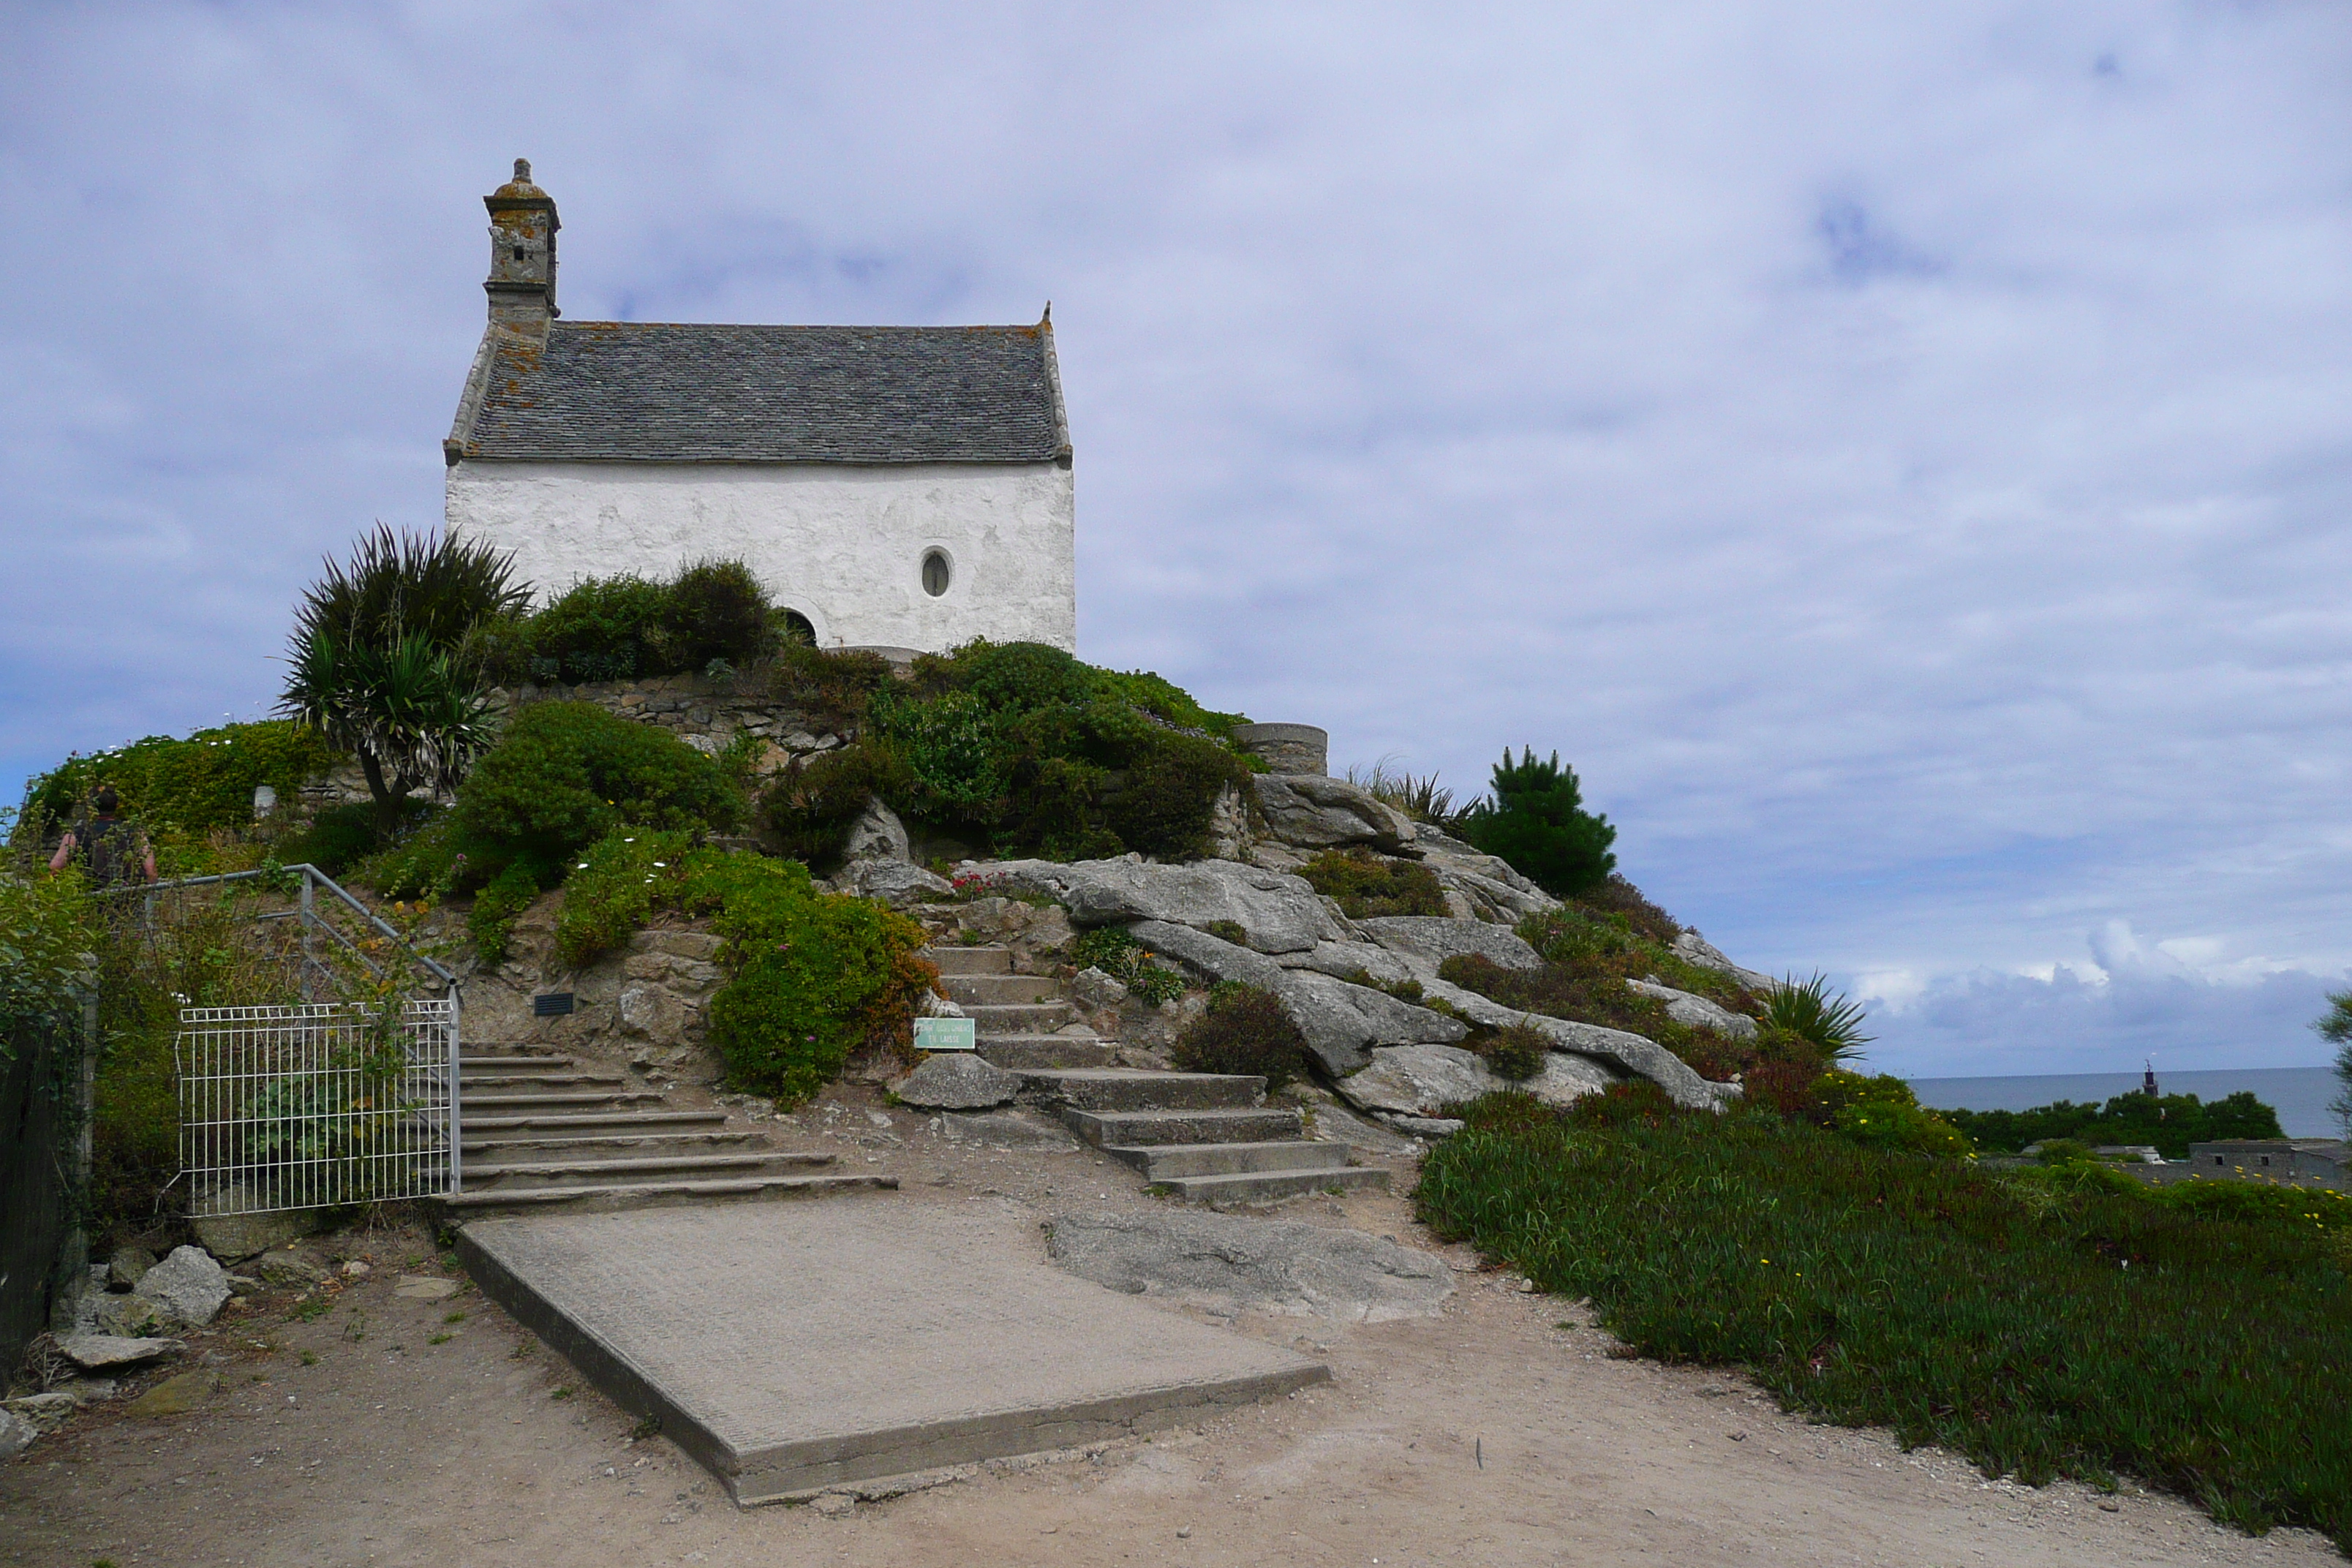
648	392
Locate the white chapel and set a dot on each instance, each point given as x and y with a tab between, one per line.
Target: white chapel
896	487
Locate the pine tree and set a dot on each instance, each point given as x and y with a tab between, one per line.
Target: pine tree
1536	820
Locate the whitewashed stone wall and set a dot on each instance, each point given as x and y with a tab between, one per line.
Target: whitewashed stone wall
843	545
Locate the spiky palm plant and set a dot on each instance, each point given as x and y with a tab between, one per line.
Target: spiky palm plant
408	584
411	713
1810	1010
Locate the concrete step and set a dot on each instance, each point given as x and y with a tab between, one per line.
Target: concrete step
1128	1129
656	1195
511	1082
991	1019
508	1057
1128	1088
1265	1186
618	1121
1166	1161
507	1174
497	1103
1015	1053
996	990
506	1146
969	960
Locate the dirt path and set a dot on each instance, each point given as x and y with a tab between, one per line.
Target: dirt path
1490	1435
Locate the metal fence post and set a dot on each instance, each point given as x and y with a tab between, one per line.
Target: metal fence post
456	1123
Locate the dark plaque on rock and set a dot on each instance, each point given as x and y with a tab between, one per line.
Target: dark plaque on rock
550	1003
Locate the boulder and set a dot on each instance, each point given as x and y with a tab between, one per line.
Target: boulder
1093	988
956	1080
187	1285
1276	913
1350	959
1340	1021
17	1434
1697	1012
96	1352
1423	1081
1472	895
1696	951
893	882
285	1269
130	1317
876	834
650	1012
1229	827
1309	812
1634	1055
233	1237
1224	1261
1343	1022
47	1412
128	1264
1426	941
176	1394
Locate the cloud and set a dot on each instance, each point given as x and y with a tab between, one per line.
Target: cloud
1895	452
2134	1001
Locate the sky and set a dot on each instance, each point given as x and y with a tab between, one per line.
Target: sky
1897	454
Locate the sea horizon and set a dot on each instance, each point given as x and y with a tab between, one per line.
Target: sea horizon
2299	1095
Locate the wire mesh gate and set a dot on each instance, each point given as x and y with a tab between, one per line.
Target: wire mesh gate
317	1106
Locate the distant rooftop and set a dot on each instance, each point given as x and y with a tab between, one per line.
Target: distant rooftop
648	392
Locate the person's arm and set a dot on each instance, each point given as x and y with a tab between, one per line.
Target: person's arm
151	862
65	853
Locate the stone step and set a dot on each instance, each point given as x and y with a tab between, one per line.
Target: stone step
501	1082
1016	1053
496	1104
1128	1088
508	1057
510	1175
1166	1161
1266	1186
969	960
991	1019
617	1141
1127	1129
618	1121
656	1195
987	990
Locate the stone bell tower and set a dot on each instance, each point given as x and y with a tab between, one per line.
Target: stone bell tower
521	284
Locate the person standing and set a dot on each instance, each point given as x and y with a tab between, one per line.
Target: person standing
111	850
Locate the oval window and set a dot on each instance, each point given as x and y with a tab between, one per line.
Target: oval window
796	629
935	573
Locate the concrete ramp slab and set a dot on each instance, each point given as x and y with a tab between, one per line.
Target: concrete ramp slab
792	1347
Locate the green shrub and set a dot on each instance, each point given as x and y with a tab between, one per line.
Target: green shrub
815	976
1883	1112
2041	1328
1115	951
181	788
492	920
1243	1031
627	626
615	886
831	686
1368	885
45	937
568	773
1536	820
2170	1122
1516	1052
809	806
